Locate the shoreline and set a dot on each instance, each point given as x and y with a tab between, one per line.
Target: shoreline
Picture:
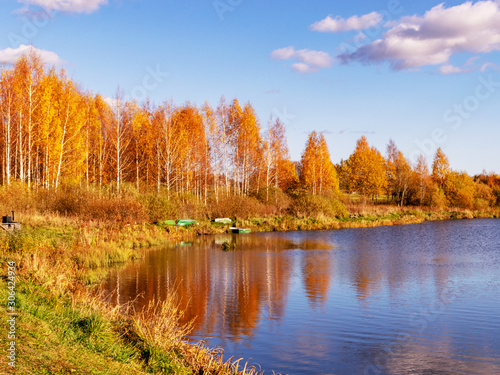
402	217
64	327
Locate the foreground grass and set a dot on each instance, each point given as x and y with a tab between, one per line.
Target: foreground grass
64	328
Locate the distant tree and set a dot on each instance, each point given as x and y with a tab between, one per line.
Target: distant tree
460	189
365	169
440	168
421	182
280	171
399	173
120	135
317	170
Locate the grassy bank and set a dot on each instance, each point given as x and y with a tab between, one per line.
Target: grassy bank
70	240
63	328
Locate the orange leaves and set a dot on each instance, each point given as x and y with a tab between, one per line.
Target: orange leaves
317	170
365	170
51	132
440	167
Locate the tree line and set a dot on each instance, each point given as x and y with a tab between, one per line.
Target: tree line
52	133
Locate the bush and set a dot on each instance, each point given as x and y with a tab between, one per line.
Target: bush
120	209
308	205
237	206
159	207
274	197
483	191
496	193
438	198
481	204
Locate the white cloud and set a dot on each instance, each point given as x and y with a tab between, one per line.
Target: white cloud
302	68
491	66
308	61
431	39
67	6
10	55
449	69
283	53
338	24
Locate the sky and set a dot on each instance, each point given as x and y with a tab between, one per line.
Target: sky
423	73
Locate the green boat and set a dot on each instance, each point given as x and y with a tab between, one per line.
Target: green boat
240	230
186	222
167	222
224	220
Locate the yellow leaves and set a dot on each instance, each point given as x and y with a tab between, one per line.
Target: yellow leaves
440	167
282	172
365	169
317	170
460	189
51	131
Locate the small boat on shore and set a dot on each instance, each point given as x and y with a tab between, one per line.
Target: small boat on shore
182	222
167	222
223	220
240	230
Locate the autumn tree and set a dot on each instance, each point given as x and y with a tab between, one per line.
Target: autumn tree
440	168
280	171
365	170
29	70
222	131
70	140
120	135
52	132
421	183
140	124
317	170
245	147
7	111
399	173
460	189
101	142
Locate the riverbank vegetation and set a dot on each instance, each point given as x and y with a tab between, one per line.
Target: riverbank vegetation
93	180
54	134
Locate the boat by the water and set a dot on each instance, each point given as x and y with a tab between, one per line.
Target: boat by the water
240	230
167	222
182	222
223	220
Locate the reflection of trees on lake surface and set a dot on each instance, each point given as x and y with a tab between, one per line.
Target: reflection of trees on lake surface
226	292
401	298
229	293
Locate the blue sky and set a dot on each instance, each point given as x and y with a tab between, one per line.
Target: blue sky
421	73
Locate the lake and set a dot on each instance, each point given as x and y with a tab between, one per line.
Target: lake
413	299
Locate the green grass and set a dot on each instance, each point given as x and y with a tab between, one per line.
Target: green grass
54	336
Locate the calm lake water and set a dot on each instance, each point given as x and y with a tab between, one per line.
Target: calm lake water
414	299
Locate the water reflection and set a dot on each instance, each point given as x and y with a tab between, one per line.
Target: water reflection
392	299
224	292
